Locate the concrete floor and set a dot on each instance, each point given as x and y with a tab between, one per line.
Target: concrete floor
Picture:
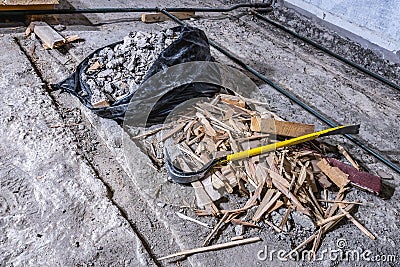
66	195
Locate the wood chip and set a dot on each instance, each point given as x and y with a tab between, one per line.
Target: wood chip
332	218
239	237
48	35
151	132
348	157
72	38
356	223
233	100
285	218
209	130
183	216
293	199
173	131
96	65
338	177
302	178
341	201
317	241
268	201
215	229
240	222
277	229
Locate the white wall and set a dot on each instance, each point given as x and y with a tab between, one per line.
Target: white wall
377	21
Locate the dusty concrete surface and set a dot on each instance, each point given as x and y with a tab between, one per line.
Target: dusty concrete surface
375	21
89	177
54	208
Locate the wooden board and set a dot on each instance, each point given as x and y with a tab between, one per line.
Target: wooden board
284	128
158	17
26	7
48	35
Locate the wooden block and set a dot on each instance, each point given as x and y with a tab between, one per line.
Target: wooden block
158	17
338	177
284	128
363	180
233	100
48	35
101	104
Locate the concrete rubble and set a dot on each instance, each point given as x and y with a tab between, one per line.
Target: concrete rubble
119	70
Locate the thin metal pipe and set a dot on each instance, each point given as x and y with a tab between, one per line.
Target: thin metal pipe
295	99
324	49
130	10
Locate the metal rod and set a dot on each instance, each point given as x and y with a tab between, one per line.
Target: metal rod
129	10
324	49
295	99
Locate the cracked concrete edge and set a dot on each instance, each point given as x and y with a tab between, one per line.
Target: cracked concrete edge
141	253
104	127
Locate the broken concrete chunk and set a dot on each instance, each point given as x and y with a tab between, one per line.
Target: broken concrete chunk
126	64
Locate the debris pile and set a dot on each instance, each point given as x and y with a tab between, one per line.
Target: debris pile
115	72
302	181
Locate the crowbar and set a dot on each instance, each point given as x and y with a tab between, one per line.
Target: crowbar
177	175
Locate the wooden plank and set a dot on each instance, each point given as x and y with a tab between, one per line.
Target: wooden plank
31	2
47	34
284	128
334	173
158	17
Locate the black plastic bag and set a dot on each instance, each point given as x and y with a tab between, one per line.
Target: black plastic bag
191	45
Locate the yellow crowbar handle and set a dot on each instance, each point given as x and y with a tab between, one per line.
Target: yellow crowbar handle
290	142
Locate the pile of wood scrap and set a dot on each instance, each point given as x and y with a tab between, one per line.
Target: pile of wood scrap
301	179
